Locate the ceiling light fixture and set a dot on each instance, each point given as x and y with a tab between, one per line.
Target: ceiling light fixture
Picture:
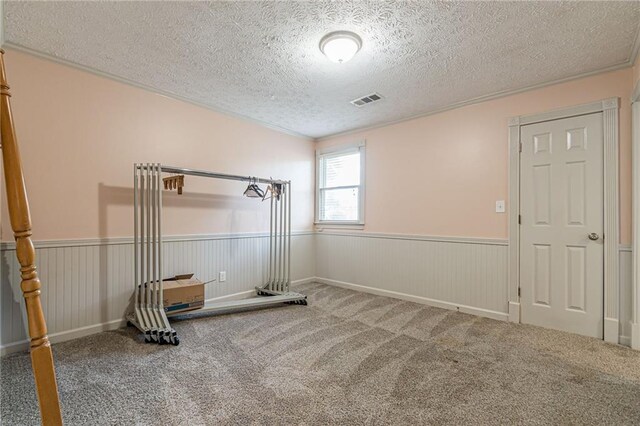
340	46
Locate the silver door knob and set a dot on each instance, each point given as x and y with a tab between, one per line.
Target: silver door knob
593	236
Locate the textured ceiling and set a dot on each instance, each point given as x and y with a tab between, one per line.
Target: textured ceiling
261	59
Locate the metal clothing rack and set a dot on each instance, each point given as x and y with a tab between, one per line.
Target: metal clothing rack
149	314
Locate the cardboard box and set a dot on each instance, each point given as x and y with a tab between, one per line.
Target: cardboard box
182	295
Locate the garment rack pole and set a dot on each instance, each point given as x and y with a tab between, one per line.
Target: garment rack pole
204	173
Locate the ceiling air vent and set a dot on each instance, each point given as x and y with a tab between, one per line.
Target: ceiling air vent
374	97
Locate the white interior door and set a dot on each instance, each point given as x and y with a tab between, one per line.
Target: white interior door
562	222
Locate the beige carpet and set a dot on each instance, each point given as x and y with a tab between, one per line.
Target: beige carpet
347	358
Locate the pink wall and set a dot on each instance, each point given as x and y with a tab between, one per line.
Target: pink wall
436	175
441	174
80	135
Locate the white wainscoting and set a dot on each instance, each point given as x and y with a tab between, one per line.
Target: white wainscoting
465	274
87	284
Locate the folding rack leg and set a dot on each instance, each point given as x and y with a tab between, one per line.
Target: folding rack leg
137	318
274	241
154	253
280	229
271	267
144	208
274	282
275	246
169	334
283	200
289	192
149	258
278	240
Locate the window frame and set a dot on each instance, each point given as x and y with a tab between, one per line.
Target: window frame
336	151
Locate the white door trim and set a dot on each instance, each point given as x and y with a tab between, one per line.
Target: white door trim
635	217
610	111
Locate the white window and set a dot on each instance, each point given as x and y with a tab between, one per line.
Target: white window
340	185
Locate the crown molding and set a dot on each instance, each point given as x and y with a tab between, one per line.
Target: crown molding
477	100
45	56
633	57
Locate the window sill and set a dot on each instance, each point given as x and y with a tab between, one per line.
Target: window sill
338	225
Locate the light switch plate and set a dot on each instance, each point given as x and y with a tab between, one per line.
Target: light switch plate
500	206
223	276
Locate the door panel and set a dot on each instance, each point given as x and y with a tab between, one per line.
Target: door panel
561	203
576	278
542	194
542	274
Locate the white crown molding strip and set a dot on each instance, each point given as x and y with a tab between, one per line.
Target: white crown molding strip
472	101
19	48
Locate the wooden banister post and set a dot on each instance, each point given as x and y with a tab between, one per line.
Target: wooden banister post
41	356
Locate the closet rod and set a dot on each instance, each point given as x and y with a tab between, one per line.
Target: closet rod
203	173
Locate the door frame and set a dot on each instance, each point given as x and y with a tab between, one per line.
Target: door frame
610	109
635	217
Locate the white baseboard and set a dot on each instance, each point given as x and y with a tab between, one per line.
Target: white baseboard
65	336
612	330
611	325
303	281
501	316
514	312
635	336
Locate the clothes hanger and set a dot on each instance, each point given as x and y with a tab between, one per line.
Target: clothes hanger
267	191
253	190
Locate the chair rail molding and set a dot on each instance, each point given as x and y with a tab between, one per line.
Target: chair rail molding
610	109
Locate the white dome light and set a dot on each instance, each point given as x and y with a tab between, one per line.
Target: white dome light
340	46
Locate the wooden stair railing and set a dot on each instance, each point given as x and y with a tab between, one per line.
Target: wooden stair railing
41	356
